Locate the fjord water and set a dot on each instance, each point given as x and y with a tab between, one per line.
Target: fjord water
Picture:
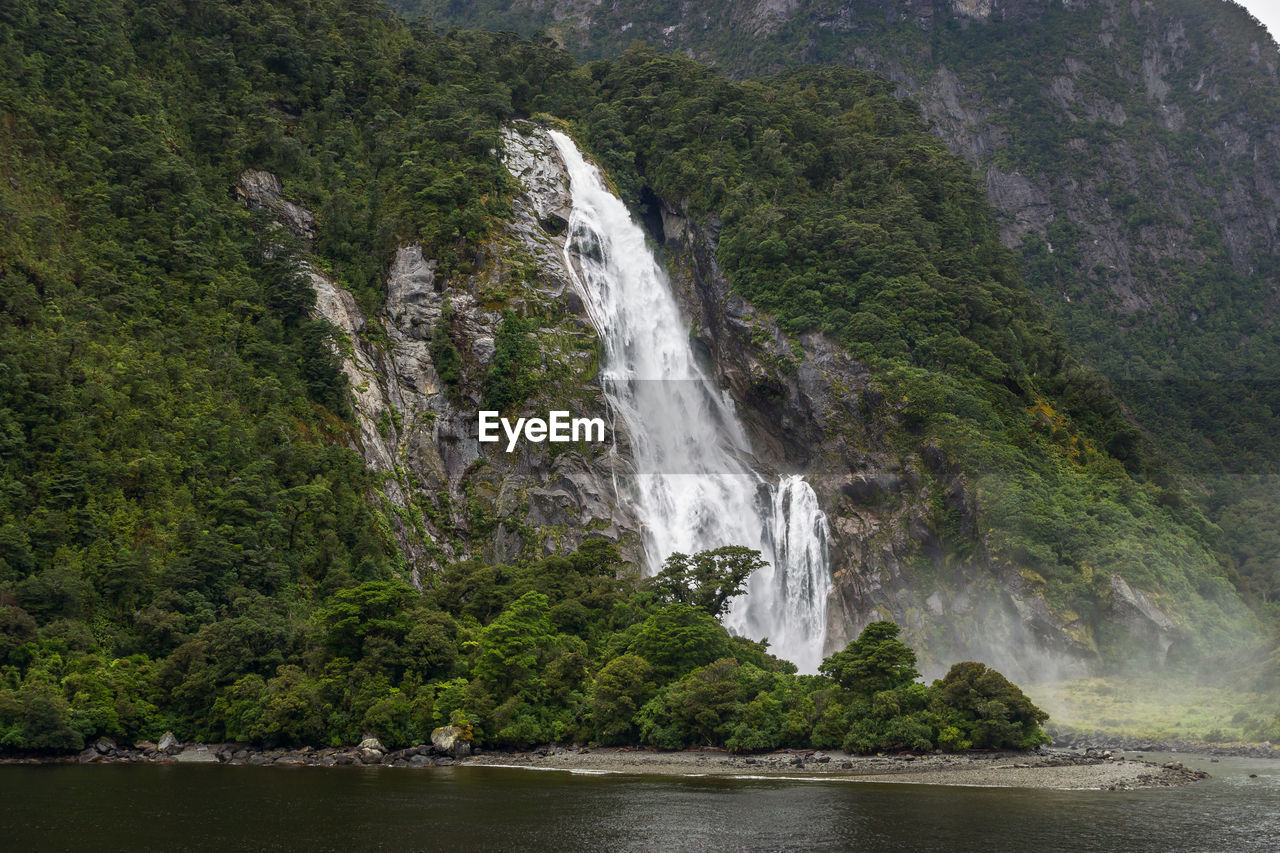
188	807
696	485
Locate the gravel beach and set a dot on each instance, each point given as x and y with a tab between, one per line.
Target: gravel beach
1063	770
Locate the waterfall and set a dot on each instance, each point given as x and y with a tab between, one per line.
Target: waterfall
696	484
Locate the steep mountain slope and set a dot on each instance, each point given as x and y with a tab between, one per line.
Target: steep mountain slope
181	463
968	473
261	262
1132	150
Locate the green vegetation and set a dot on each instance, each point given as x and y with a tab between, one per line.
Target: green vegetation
179	511
1156	708
515	356
971	707
1073	101
444	353
187	541
708	580
563	649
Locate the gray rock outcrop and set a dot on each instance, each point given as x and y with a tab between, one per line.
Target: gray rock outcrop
198	754
816	410
371	743
169	745
1152	632
262	190
450	741
419	431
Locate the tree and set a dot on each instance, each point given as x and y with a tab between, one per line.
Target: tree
679	638
431	645
697	709
16	629
515	355
990	711
893	719
512	651
291	708
620	689
374	608
47	720
876	661
709	579
444	355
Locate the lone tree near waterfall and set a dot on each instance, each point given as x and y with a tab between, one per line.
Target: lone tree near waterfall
876	661
709	579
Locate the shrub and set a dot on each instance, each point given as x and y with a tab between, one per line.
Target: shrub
987	709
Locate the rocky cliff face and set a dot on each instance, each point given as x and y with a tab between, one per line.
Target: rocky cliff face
810	407
450	496
1122	130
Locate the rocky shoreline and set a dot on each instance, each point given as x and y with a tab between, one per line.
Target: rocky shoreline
447	746
1098	741
1067	770
1059	769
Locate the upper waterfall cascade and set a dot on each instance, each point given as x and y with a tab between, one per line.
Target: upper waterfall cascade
696	483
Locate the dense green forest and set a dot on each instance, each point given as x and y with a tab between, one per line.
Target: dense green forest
566	649
188	542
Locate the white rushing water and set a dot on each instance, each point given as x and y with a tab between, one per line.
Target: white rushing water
696	486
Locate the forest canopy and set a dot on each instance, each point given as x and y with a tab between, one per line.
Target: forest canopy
569	649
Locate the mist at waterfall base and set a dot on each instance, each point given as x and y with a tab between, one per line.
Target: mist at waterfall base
696	483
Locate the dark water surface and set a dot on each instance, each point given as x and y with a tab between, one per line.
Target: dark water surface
177	807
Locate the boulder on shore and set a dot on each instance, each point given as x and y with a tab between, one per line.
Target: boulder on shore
450	741
372	743
200	754
169	744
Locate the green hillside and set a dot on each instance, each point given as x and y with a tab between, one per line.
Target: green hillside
187	539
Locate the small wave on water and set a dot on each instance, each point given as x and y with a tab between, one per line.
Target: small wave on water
577	771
